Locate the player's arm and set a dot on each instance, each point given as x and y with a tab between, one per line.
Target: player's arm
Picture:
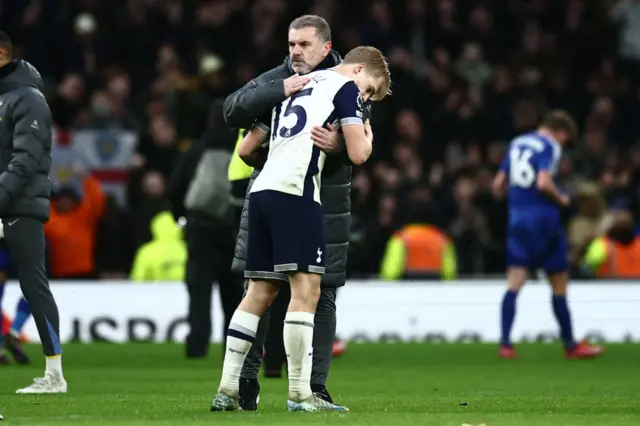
544	179
545	184
501	180
499	184
357	135
249	149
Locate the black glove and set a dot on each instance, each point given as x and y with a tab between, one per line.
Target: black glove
366	110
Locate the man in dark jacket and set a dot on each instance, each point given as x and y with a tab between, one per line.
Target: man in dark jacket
25	160
210	237
307	36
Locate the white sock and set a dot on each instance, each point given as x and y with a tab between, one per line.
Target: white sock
240	337
53	366
298	344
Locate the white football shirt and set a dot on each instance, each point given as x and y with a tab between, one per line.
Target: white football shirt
294	163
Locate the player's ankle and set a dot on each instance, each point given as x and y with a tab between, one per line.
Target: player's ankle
299	394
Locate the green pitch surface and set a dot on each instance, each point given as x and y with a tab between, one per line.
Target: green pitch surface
382	384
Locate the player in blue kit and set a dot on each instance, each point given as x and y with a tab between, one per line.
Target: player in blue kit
286	230
535	235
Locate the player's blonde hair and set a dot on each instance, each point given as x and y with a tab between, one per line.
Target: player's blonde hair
376	65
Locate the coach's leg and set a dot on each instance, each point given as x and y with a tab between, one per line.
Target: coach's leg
242	333
323	337
516	277
25	237
298	333
274	345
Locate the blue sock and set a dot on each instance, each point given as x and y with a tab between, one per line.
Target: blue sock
1	320
561	311
508	316
23	311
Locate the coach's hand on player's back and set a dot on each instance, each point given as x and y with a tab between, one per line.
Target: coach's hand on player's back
294	84
326	138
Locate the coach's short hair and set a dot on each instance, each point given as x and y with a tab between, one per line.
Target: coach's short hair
323	30
375	64
561	120
5	43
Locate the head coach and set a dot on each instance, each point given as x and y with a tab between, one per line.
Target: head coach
309	50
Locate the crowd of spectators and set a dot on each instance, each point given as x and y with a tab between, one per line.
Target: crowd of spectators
468	76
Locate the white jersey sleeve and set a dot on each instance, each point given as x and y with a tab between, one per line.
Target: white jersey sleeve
294	163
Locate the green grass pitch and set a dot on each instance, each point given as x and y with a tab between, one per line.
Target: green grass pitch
394	384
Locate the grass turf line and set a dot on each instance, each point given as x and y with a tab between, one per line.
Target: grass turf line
402	384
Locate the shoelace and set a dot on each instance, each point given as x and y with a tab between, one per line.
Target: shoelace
40	381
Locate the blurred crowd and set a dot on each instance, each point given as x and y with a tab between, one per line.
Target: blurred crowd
131	83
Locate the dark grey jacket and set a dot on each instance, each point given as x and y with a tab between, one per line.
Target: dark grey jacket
25	143
250	102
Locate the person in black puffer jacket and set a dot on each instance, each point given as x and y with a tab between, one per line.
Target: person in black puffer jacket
241	109
25	162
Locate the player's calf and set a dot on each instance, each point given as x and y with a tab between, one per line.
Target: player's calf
298	334
240	336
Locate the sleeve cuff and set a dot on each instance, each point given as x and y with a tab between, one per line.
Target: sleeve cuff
262	127
350	121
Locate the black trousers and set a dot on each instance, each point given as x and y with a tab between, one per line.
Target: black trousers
210	249
25	238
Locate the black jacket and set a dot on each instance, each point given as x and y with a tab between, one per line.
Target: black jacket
25	143
250	102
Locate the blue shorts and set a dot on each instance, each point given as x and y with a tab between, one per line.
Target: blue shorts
537	243
286	235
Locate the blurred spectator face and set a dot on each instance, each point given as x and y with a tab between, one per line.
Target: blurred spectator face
120	87
474	155
595	140
380	13
162	131
153	185
495	153
409	126
501	79
391	179
101	105
388	205
71	88
481	19
306	49
472	53
64	202
403	154
484	179
417	10
602	110
531	40
623	226
400	58
565	168
635	156
362	184
525	116
441	58
464	190
167	58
